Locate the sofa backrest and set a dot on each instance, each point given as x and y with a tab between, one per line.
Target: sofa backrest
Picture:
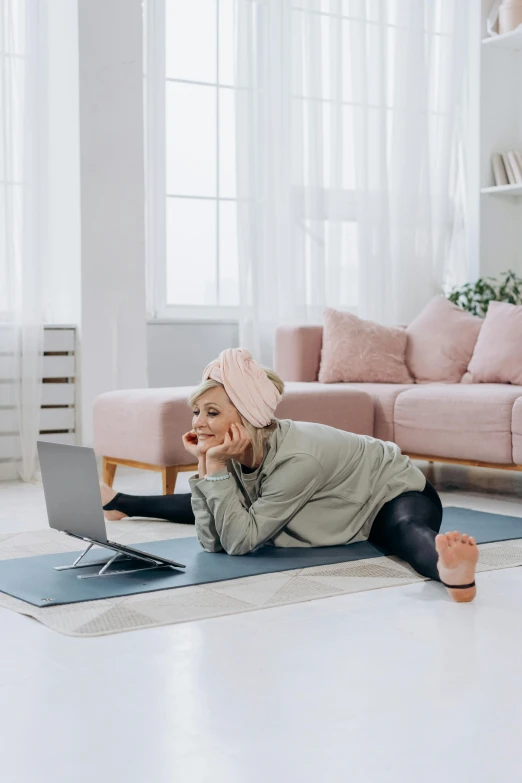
297	352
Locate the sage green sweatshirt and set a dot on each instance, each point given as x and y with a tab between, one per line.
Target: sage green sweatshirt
316	486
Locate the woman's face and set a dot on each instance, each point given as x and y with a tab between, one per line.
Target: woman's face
213	413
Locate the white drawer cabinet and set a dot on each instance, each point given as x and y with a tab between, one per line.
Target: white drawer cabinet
52	419
58	413
58	393
59	437
59	340
58	400
58	367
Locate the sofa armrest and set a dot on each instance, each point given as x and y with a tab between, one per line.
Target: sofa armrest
297	352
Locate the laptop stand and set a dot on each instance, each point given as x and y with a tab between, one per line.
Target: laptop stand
153	563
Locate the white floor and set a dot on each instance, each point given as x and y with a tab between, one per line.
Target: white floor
391	685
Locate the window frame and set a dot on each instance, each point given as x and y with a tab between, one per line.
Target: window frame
155	180
155	172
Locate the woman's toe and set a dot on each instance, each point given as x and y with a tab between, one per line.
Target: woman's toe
441	542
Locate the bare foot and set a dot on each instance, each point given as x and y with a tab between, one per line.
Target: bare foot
107	494
458	556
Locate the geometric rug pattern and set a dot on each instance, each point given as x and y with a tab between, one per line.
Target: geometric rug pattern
182	604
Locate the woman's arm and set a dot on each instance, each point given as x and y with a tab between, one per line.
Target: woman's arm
204	521
239	529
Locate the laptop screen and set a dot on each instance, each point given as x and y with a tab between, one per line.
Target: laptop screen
71	489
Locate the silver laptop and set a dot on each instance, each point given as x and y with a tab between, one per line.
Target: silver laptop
73	500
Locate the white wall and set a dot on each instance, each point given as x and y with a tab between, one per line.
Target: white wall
113	341
179	352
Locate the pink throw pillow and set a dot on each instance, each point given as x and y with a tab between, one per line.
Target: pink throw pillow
497	357
441	340
361	351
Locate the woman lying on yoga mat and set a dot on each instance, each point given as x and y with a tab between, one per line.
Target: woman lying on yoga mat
296	484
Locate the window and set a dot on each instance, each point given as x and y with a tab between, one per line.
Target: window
350	104
191	198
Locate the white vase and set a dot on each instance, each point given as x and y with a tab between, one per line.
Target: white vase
509	16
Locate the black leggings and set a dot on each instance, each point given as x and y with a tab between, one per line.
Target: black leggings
405	526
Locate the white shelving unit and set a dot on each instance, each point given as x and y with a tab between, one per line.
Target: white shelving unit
503	190
58	411
58	405
511	40
500	131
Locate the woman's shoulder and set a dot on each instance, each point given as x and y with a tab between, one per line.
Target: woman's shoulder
317	441
311	430
301	437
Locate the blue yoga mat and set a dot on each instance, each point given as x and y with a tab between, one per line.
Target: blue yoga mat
33	579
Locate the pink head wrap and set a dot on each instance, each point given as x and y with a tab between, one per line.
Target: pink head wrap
246	383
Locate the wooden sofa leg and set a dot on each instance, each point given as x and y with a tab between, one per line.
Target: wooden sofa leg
169	476
109	471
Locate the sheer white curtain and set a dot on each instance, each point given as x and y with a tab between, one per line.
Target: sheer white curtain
408	61
348	118
23	222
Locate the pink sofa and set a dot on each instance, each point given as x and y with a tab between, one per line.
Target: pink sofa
477	424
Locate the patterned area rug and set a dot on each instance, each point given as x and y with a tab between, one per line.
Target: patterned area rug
114	615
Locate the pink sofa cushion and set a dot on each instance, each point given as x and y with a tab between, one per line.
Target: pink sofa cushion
461	421
497	357
384	396
440	343
361	351
144	425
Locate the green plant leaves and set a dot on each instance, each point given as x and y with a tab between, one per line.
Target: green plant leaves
475	297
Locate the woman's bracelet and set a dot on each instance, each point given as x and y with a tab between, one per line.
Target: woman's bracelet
218	478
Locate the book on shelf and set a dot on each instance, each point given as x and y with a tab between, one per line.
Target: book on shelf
509	171
515	166
499	170
507	168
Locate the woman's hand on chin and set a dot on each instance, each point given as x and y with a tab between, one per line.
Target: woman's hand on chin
236	442
191	444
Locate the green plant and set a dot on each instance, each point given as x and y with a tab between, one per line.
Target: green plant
475	297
